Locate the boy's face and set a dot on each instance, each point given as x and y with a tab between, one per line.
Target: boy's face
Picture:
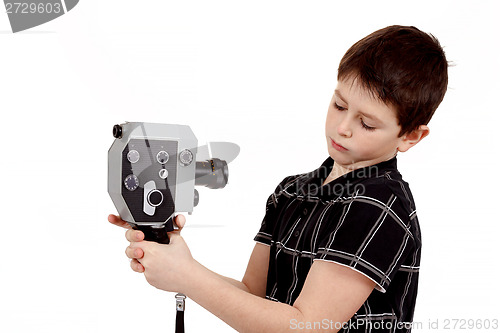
360	129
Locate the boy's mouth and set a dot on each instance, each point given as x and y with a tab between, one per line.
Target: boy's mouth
337	146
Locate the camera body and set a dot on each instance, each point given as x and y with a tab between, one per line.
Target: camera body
152	172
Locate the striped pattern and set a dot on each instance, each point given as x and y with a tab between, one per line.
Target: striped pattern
365	220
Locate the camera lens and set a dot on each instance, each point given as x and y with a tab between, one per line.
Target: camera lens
212	173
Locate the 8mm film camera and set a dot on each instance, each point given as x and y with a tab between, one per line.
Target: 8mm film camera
152	173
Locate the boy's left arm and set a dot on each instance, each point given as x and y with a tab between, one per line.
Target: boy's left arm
331	294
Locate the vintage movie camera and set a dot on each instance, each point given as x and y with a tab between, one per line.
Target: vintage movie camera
152	174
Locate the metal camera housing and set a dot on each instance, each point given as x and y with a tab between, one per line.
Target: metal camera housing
152	172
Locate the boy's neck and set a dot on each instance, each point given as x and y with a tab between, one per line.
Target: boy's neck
339	170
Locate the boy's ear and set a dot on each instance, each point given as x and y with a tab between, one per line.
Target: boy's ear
410	139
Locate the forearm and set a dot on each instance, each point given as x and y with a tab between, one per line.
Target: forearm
236	283
241	310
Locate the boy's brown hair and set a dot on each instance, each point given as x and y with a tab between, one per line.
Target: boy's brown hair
403	67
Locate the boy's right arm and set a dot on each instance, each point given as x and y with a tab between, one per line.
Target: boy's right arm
255	278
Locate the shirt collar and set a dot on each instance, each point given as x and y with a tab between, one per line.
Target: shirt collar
312	184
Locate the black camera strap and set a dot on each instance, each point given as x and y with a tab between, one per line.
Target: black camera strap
180	302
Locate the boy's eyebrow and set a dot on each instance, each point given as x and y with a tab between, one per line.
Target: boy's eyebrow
367	115
372	117
337	92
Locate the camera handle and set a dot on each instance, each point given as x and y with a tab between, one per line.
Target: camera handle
159	234
156	233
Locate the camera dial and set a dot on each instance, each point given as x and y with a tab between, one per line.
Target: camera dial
186	157
131	182
162	157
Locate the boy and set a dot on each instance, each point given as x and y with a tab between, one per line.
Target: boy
339	247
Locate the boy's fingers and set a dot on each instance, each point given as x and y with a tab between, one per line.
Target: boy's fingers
116	220
136	266
180	221
134	253
134	235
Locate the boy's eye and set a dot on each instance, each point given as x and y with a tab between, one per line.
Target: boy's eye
338	107
366	127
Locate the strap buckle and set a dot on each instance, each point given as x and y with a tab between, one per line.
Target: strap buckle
180	301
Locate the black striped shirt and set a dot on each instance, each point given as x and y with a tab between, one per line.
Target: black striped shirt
365	220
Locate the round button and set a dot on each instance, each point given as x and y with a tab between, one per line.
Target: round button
155	198
133	156
186	157
162	157
305	211
163	173
131	182
297	233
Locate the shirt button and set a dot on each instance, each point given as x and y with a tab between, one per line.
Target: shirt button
305	211
297	233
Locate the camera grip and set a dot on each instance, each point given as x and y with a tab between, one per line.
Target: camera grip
156	233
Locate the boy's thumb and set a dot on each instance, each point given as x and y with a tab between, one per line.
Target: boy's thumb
179	221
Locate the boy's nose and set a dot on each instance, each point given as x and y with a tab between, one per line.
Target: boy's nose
344	129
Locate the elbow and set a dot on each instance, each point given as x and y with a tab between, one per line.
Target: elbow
310	321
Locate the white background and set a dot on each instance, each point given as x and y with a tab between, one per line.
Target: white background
256	73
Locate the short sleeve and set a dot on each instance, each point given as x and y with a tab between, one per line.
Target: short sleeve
372	235
269	221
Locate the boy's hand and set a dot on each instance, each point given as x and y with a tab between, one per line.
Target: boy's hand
116	220
163	265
